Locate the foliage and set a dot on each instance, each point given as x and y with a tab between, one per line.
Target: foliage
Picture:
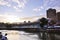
43	21
52	22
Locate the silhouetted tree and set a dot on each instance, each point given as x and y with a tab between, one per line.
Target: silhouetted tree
43	21
8	26
52	22
1	24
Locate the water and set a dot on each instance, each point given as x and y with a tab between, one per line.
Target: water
19	35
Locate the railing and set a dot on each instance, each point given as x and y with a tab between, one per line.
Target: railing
44	34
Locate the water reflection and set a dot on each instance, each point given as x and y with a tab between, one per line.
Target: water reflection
19	35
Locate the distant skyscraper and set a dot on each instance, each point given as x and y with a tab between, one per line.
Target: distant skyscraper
58	17
51	13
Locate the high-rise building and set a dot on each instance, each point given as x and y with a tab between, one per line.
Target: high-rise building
51	13
58	17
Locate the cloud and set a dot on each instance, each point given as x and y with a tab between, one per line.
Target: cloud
14	18
10	3
8	18
50	3
15	7
38	9
2	2
28	19
21	3
46	4
57	9
32	19
11	18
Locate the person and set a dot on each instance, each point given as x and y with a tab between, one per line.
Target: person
4	37
0	35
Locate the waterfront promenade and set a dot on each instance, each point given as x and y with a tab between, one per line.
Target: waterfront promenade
49	34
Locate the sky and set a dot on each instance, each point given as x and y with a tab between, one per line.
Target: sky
25	10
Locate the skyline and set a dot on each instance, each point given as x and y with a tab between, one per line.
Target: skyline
20	10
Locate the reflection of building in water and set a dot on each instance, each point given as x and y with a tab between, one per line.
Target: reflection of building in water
51	13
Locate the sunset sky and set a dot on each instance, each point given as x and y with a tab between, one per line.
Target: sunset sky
20	10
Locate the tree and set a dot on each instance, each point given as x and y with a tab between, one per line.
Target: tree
43	21
52	22
8	26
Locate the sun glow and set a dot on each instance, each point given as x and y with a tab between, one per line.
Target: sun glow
12	19
15	19
9	18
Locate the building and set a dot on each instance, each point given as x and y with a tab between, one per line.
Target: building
51	13
58	17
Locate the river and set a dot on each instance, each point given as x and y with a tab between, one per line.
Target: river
19	35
